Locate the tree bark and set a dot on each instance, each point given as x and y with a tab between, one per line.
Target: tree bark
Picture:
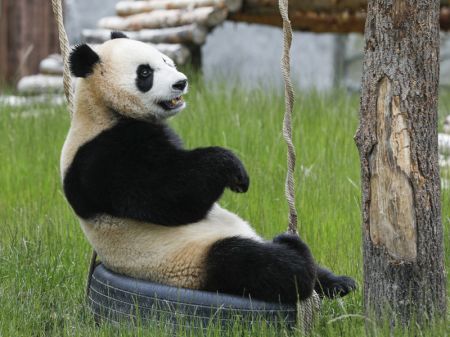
398	145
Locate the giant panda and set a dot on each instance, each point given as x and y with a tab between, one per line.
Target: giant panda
149	206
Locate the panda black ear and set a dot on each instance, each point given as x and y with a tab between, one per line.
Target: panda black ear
82	60
118	35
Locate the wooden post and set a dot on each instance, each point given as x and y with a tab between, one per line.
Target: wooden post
28	34
397	140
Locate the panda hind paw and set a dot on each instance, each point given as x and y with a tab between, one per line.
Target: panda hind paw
339	287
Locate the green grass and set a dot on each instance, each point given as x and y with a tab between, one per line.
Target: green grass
44	255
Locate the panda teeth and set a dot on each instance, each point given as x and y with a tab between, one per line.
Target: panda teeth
173	103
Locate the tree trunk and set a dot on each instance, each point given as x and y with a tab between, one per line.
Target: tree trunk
398	145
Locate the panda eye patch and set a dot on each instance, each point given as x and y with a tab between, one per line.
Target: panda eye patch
144	79
144	71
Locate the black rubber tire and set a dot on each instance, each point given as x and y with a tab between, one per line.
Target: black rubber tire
117	298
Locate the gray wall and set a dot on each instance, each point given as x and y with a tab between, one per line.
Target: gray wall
251	54
81	14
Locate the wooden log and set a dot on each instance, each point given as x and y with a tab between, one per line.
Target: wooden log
205	16
51	65
125	8
342	22
188	34
318	22
316	5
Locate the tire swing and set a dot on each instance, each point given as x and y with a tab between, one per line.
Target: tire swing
117	298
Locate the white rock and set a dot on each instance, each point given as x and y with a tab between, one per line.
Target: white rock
444	143
52	65
447	124
40	84
20	101
444	161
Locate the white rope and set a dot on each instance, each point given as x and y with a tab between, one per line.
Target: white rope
65	50
287	121
307	309
67	80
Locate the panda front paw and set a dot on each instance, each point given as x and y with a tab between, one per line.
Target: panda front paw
237	177
240	181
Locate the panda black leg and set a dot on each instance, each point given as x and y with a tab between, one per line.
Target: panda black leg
280	271
331	285
327	283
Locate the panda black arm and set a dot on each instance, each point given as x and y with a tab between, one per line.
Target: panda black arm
139	173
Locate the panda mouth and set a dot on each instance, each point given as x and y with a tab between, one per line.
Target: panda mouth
172	104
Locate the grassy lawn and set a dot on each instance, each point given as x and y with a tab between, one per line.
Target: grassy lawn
44	255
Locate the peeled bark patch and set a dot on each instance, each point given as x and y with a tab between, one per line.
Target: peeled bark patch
392	218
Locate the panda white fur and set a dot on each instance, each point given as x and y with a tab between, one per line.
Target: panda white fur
148	206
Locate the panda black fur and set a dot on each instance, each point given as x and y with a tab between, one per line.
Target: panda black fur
148	206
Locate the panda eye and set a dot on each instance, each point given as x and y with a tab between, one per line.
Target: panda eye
144	71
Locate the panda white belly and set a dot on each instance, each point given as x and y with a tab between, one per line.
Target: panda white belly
169	255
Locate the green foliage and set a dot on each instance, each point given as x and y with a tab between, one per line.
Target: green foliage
43	252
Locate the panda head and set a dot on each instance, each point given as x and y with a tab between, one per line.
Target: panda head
130	77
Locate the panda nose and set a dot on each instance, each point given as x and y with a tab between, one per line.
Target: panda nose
180	85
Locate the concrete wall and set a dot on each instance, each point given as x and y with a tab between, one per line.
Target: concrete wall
251	54
81	14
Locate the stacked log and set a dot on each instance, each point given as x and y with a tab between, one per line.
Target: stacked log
205	16
179	27
188	34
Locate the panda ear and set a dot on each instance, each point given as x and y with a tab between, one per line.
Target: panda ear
82	60
118	35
